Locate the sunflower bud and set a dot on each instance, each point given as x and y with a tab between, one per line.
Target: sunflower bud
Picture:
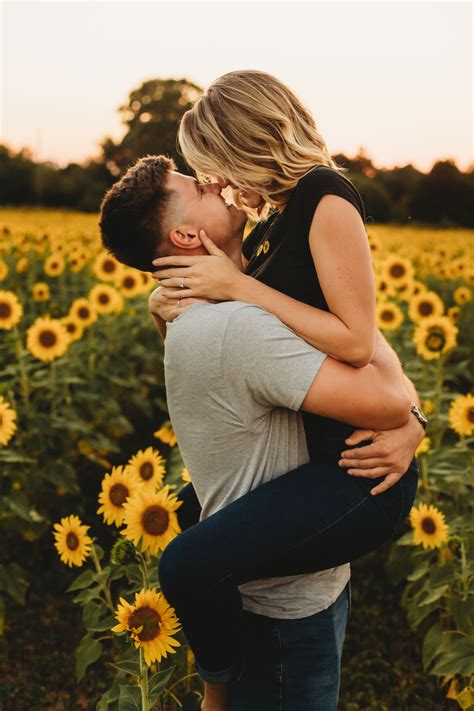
123	552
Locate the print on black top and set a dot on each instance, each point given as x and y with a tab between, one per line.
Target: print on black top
279	255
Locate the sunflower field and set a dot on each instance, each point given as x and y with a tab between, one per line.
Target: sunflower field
90	468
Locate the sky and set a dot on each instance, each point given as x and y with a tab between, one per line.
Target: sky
393	77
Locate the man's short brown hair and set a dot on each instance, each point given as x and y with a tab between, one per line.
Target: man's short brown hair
132	213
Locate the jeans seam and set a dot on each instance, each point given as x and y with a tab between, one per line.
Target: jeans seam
402	504
280	676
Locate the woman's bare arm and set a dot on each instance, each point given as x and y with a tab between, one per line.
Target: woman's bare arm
374	396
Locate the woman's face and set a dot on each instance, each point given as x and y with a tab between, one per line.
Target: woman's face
248	198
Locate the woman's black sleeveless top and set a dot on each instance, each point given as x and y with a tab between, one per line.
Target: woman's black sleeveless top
279	256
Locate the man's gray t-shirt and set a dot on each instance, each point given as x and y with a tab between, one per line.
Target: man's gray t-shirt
236	377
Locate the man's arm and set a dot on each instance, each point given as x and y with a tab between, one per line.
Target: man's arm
374	396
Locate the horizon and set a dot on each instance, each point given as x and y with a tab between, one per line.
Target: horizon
109	48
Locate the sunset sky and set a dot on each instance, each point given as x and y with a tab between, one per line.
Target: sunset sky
394	77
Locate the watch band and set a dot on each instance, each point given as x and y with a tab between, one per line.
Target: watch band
420	415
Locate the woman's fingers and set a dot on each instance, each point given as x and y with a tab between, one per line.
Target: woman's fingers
168	273
175	282
209	244
178	260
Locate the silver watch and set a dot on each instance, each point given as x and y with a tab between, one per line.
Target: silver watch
420	415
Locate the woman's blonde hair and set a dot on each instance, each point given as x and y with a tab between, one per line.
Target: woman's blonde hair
250	128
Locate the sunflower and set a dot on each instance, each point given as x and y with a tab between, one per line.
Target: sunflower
77	258
383	289
397	271
74	328
454	313
41	291
185	476
389	316
147	282
429	526
83	311
7	421
425	304
424	446
117	487
3	270
22	265
428	406
47	339
151	623
54	265
11	310
106	267
72	542
166	434
461	415
462	295
406	291
150	516
106	299
148	467
434	337
130	283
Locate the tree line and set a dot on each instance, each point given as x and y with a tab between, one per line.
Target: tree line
151	115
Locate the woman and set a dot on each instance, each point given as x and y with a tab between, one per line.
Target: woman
314	273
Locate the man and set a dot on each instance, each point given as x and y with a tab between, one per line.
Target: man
236	377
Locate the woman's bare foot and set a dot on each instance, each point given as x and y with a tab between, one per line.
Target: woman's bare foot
216	697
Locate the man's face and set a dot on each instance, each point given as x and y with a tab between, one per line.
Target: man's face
201	206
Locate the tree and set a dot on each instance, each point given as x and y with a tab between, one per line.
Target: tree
444	196
151	116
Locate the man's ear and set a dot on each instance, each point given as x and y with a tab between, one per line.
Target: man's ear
185	237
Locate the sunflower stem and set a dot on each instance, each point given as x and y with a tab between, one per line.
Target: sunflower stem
464	572
144	683
104	587
144	571
24	382
437	398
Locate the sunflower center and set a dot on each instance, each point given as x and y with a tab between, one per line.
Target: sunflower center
388	315
118	494
397	271
149	620
83	312
71	327
47	339
5	310
104	298
146	471
470	414
129	282
428	525
108	266
435	341
155	520
72	541
425	308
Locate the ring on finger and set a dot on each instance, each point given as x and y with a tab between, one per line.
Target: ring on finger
179	301
182	282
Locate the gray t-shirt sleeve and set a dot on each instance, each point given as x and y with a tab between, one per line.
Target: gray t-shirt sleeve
265	358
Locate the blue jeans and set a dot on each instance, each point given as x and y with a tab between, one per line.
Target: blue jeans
313	518
292	665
